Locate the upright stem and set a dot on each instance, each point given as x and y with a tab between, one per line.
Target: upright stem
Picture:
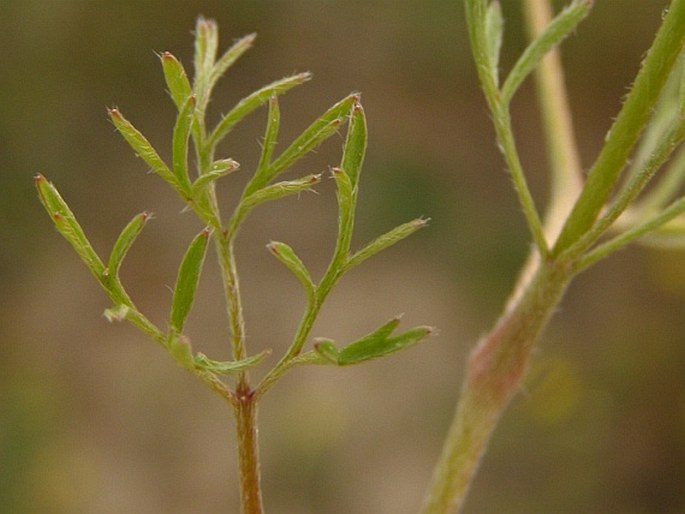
495	371
631	120
245	399
566	174
232	292
564	159
498	364
248	451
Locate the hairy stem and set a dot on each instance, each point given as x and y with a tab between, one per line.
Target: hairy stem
232	292
248	451
631	120
495	371
566	174
564	159
498	364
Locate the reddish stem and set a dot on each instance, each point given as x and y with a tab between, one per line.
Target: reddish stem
248	450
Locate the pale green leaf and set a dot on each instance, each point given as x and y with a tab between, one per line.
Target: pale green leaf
252	102
289	258
229	367
188	278
386	240
176	79
180	143
124	242
323	128
558	29
373	347
67	225
494	31
355	144
142	147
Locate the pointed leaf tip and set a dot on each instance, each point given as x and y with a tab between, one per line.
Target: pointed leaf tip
188	279
66	224
125	240
355	143
142	147
229	367
380	343
289	258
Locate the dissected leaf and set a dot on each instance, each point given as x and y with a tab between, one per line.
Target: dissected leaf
270	135
382	332
124	242
386	240
376	344
66	224
494	31
229	367
323	128
200	193
184	123
281	189
188	278
176	79
627	127
346	207
142	147
476	17
355	144
231	56
372	348
206	47
560	27
287	256
219	169
274	192
252	102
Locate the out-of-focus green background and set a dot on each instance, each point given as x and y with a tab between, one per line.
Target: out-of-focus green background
96	419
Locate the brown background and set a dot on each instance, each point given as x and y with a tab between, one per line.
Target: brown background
96	419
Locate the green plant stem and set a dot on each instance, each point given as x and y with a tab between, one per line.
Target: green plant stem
245	406
631	190
248	451
495	371
650	224
235	308
564	159
498	364
290	359
626	130
505	135
502	122
244	399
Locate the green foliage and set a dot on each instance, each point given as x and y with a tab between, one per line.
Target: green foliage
66	224
614	207
188	278
564	23
610	199
630	123
196	190
376	344
665	129
125	241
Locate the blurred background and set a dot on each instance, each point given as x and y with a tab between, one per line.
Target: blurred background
94	418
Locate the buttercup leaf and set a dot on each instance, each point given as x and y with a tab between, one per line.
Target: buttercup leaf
188	278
